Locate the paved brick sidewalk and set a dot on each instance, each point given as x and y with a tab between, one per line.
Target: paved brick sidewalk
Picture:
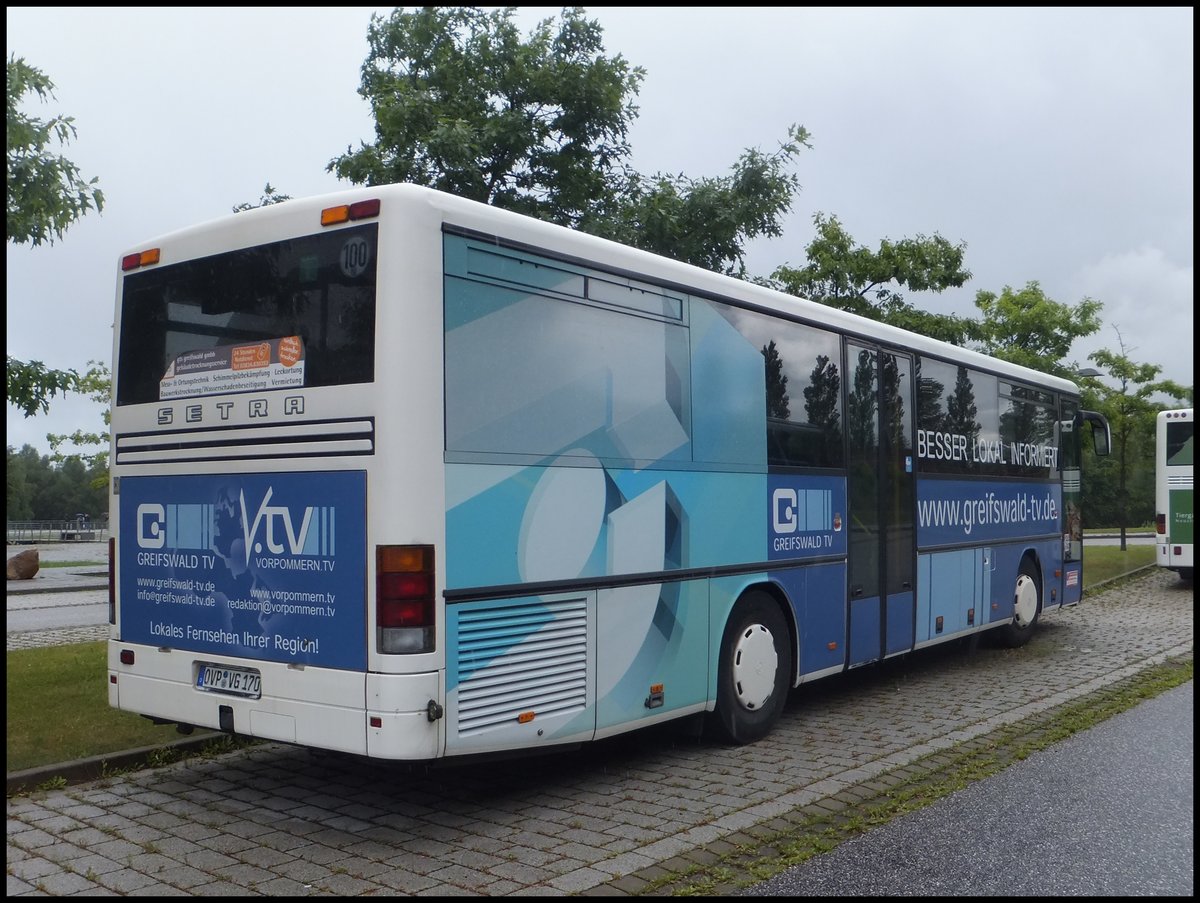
281	821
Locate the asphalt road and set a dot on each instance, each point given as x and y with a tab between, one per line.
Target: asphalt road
615	818
1107	812
61	603
53	611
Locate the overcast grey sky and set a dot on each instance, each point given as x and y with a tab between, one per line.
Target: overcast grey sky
1057	143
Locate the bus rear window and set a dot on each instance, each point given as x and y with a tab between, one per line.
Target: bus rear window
1179	443
295	313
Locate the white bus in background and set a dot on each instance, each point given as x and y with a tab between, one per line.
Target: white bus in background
407	476
1173	490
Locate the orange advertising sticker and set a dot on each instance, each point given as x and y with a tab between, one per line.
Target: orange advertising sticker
289	350
251	357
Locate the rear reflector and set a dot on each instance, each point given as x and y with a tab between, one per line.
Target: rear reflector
112	581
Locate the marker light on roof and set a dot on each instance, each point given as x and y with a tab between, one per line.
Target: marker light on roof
344	213
141	259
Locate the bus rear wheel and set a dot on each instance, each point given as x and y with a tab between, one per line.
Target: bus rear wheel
754	672
1027	608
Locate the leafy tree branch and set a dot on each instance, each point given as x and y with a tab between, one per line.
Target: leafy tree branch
46	193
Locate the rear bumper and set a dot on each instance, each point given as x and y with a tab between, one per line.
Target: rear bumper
382	715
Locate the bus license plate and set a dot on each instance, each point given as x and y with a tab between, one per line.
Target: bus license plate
234	681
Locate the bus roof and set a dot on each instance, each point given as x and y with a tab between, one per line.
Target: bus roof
518	229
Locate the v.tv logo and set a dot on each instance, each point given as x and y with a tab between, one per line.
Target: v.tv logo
269	516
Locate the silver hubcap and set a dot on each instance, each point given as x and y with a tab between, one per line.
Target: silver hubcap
754	665
1025	601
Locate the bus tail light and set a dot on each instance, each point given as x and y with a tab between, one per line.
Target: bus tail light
1160	524
404	609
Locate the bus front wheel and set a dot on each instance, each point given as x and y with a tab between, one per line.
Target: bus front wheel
755	670
1027	607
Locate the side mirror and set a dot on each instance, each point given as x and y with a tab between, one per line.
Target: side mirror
1101	436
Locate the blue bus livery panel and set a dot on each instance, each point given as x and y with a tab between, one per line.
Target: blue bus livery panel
261	566
604	432
956	512
545	523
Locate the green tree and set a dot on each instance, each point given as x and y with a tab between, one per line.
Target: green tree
464	104
42	489
31	385
91	448
707	222
854	278
46	194
1131	409
269	196
1025	327
20	494
33	474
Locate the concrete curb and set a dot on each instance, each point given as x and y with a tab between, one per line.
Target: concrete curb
95	767
57	588
1096	587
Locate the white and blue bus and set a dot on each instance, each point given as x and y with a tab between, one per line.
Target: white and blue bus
410	477
1174	431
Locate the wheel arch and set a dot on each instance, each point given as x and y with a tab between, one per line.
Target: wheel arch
1030	554
750	680
1012	632
780	597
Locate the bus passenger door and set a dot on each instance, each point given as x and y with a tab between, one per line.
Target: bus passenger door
879	426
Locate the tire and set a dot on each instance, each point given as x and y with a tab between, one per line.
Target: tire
755	670
1027	607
